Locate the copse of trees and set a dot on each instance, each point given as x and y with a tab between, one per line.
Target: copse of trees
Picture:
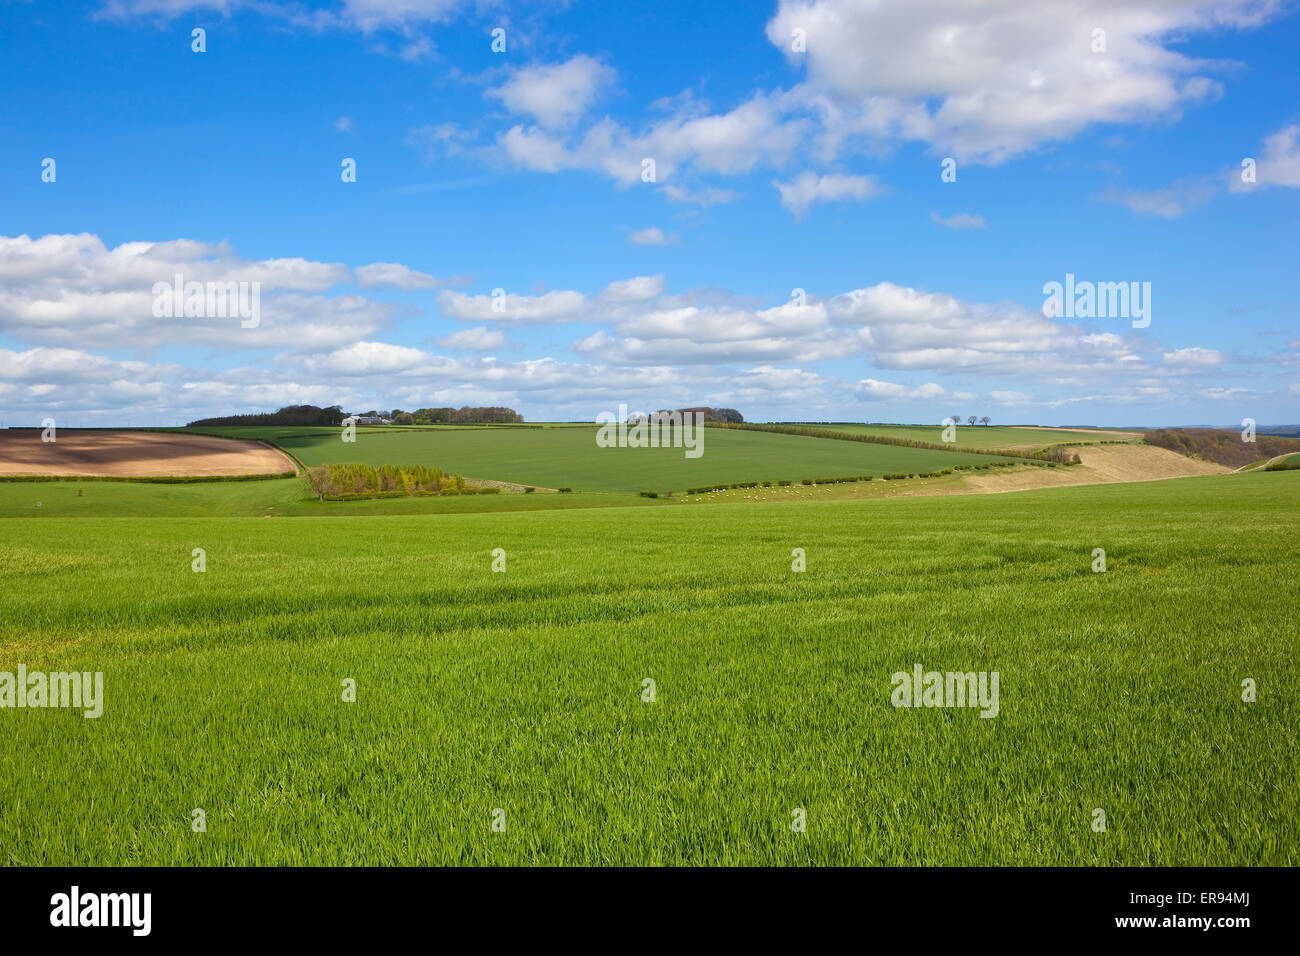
724	415
289	415
334	415
729	415
488	415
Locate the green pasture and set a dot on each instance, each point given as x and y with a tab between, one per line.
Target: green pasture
276	497
568	456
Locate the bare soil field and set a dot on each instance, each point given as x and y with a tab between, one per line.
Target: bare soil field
1101	464
130	454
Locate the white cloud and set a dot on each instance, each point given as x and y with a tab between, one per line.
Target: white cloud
73	291
808	188
441	139
989	81
1219	394
652	236
906	328
1278	166
756	133
874	390
555	95
478	339
704	197
512	308
961	220
1193	358
381	275
1170	202
636	289
343	124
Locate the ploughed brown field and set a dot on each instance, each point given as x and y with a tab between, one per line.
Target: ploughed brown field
127	454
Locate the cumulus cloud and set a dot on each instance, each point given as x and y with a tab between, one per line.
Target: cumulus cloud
961	220
989	81
980	82
62	297
478	339
874	390
652	236
555	95
808	188
1193	358
510	308
758	132
72	290
907	328
636	289
1279	165
394	275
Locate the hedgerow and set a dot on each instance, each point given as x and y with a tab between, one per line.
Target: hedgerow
343	481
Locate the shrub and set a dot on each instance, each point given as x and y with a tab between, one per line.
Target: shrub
784	482
529	489
649	494
566	491
806	481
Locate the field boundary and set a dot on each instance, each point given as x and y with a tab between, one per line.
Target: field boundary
152	479
813	432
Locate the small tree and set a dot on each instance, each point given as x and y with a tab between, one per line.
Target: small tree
985	420
972	420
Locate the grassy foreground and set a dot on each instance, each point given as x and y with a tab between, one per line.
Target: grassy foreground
522	690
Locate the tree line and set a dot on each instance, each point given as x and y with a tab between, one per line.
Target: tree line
486	415
334	415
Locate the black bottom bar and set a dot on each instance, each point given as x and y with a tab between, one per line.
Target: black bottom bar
945	907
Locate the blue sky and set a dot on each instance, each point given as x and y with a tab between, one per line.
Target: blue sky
776	169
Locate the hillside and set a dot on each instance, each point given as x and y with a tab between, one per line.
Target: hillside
1222	446
567	456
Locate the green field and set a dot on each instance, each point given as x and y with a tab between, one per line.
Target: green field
567	456
283	496
990	437
522	690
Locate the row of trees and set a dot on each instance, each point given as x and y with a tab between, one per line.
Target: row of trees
956	420
334	415
487	415
716	414
728	415
289	415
